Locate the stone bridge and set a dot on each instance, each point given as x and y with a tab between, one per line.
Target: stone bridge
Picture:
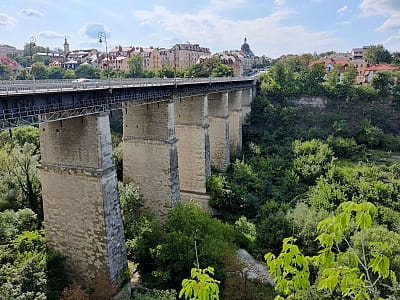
173	132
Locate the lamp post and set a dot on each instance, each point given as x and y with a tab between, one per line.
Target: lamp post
103	38
31	45
175	64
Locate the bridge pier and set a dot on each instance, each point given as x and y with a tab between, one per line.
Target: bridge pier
247	99
192	127
218	109
235	120
150	157
80	197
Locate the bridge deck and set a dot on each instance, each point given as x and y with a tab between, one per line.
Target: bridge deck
22	102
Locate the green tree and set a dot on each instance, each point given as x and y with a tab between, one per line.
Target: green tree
333	77
221	70
201	286
369	134
39	70
396	58
176	254
354	274
86	71
23	75
20	173
313	78
55	72
312	159
350	75
197	70
28	47
135	64
167	71
69	74
5	71
377	54
383	82
46	60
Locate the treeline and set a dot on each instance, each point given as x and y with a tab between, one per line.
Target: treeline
302	171
212	67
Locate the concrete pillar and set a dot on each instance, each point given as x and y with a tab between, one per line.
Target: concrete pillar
247	98
191	116
218	117
235	120
150	157
80	197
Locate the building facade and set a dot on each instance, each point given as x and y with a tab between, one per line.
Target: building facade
184	55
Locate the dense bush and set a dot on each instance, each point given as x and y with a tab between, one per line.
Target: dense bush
27	270
346	148
189	227
153	294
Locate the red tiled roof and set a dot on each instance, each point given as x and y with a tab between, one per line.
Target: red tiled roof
382	67
5	60
329	61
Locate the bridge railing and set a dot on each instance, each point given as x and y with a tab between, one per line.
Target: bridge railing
10	87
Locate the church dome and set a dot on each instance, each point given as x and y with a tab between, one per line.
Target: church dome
246	48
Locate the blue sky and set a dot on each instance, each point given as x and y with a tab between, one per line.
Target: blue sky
272	27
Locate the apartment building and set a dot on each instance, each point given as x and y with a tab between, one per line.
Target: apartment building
184	55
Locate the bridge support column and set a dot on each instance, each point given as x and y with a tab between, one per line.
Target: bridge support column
191	116
247	98
150	157
218	108
235	120
80	197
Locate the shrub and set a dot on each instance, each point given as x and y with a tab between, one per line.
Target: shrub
145	294
188	227
346	147
217	187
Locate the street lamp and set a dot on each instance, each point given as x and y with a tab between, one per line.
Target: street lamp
175	64
31	45
103	38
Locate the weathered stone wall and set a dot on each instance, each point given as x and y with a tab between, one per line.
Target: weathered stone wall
321	112
312	101
80	197
150	157
218	119
235	120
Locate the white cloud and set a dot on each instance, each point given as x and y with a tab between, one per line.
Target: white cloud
91	30
266	34
279	2
6	20
218	5
50	35
342	9
390	9
29	12
379	7
344	23
392	23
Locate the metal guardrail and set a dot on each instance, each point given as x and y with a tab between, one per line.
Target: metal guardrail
16	87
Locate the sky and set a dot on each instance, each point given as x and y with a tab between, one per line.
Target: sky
272	27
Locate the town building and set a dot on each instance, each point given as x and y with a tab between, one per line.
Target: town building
370	71
358	53
184	55
9	50
75	58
